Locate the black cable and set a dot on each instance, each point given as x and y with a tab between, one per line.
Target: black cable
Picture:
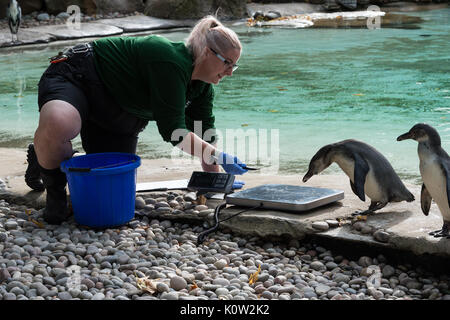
202	236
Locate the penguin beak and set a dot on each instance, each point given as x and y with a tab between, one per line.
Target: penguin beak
405	136
308	175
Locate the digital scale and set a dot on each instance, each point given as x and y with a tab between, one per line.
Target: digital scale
285	197
269	196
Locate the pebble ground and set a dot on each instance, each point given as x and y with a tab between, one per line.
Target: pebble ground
160	259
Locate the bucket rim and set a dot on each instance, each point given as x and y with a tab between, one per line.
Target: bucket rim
66	164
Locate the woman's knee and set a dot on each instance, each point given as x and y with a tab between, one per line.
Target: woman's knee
59	120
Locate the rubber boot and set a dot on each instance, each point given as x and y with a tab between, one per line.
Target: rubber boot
33	173
56	210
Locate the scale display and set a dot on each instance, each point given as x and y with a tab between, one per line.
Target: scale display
211	182
285	197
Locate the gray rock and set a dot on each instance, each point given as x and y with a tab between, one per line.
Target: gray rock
412	284
381	236
318	266
88	283
140	203
201	207
320	225
169	295
9	296
375	293
62	16
21	241
331	265
267	295
398	293
332	223
365	261
85	295
272	15
190	196
64	295
11	225
164	210
358	225
162	287
221	292
98	296
386	290
322	289
4	275
388	271
289	253
43	17
340	277
220	264
221	281
178	283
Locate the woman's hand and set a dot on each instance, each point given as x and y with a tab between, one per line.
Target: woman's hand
210	167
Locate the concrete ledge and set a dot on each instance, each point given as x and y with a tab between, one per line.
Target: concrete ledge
145	23
87	30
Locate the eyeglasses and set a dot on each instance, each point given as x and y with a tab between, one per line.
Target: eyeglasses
227	63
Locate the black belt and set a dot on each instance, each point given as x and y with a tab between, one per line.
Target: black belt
70	52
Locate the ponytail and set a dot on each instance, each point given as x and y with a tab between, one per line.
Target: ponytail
210	32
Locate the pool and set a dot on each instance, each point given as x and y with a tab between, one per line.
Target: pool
310	87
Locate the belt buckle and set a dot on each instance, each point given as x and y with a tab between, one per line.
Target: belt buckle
83	49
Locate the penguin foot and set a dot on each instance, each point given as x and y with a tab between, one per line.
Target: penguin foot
372	208
362	213
444	232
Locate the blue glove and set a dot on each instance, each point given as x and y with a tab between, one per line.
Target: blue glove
231	164
238	184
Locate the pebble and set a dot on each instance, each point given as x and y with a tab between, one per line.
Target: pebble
11	225
220	264
43	17
140	203
178	283
381	236
332	223
70	262
318	266
320	225
388	271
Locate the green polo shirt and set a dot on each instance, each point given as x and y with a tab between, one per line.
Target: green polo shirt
150	77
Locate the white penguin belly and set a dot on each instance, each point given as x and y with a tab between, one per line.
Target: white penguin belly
371	187
436	185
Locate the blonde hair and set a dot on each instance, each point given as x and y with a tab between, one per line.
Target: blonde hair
210	32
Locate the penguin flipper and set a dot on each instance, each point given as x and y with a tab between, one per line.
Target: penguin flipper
360	173
425	200
446	172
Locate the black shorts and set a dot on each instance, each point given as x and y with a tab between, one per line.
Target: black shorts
106	127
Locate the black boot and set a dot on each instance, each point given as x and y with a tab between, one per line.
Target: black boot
56	210
33	173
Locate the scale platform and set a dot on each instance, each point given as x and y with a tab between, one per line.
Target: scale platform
285	197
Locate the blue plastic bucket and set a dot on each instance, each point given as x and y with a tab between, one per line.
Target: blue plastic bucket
102	188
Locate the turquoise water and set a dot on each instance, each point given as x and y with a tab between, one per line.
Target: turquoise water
316	86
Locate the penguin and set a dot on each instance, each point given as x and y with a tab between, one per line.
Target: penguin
14	15
369	171
435	171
